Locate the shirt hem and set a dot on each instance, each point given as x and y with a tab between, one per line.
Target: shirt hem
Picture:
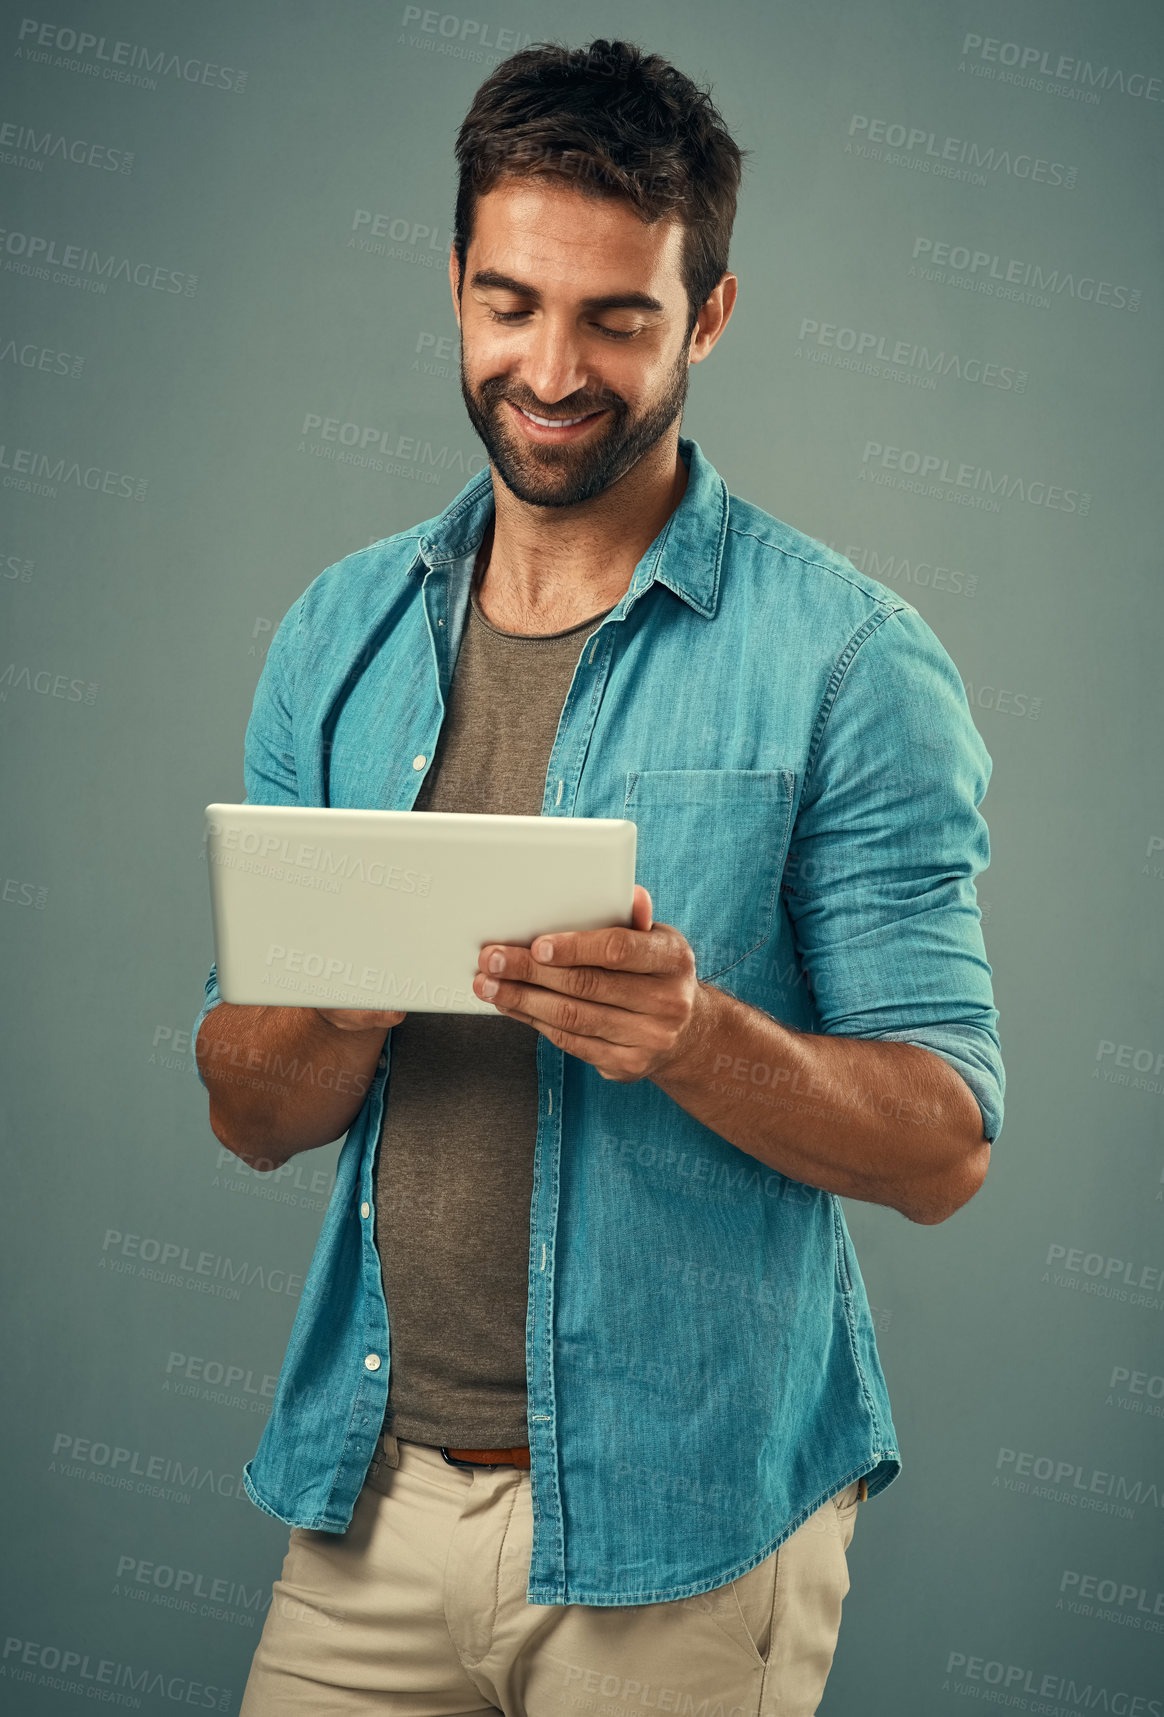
316	1524
545	1593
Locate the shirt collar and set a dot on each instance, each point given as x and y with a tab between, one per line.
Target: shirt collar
685	556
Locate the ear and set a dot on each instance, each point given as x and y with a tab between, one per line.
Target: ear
454	282
713	318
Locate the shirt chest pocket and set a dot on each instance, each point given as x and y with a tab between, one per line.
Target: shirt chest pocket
710	851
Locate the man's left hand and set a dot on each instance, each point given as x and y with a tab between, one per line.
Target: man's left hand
623	999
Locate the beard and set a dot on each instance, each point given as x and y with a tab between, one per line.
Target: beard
563	476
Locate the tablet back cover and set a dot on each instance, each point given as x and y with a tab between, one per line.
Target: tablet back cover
320	907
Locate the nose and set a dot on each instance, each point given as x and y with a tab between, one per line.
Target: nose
551	366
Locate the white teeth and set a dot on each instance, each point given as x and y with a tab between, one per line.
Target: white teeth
552	422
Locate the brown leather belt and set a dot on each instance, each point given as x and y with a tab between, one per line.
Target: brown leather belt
488	1457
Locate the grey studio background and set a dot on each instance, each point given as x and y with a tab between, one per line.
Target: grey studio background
229	358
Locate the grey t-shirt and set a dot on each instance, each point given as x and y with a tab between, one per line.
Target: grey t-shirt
454	1175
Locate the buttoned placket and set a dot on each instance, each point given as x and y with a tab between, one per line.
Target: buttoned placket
445	611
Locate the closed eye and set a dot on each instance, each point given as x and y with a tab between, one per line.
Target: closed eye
512	316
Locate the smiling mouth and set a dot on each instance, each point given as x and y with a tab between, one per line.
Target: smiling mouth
555	422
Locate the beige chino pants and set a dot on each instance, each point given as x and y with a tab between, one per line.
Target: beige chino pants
419	1610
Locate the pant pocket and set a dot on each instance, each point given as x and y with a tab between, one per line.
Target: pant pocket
846	1503
814	1581
755	1595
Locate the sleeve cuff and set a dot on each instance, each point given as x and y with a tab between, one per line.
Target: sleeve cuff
964	1052
212	1000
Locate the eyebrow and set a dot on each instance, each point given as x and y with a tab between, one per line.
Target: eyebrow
489	277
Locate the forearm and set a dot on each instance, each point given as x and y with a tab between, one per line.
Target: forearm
282	1080
889	1123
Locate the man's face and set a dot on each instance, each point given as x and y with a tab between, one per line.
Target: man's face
571	309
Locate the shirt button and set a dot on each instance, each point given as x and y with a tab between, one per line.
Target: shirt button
383	1061
365	1209
419	761
373	1362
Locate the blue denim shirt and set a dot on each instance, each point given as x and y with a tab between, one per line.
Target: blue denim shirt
796	749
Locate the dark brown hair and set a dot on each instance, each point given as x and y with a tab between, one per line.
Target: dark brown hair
614	122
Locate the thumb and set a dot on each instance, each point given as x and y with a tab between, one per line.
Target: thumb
641	911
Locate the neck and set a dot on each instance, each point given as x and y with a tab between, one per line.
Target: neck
544	568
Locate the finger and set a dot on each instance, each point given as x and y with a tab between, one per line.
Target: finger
599	1053
633	992
641	911
584	1020
616	948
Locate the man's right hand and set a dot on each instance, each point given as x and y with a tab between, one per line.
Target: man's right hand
360	1019
268	1119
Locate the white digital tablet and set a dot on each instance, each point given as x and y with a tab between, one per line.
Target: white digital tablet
319	907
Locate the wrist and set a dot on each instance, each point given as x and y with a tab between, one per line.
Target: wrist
339	1028
685	1060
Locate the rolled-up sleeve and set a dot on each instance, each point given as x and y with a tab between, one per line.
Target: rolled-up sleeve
268	753
887	843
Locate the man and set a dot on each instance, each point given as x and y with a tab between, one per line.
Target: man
583	1391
